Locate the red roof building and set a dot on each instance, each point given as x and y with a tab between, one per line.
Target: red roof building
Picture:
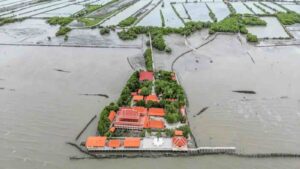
137	98
156	112
156	124
111	116
179	141
129	118
132	142
114	143
141	110
178	133
95	142
144	75
152	97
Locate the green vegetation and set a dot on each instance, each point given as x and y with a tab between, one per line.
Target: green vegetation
229	24
88	9
211	14
63	31
288	18
162	19
185	129
146	88
231	9
253	20
148	59
128	21
104	123
132	85
104	31
4	21
89	21
251	38
62	21
157	33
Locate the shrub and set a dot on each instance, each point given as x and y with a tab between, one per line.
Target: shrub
148	59
104	31
62	21
288	18
185	129
251	38
253	20
88	9
4	21
104	123
229	24
63	31
132	85
128	21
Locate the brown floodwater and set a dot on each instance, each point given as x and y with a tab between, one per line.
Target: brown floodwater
42	108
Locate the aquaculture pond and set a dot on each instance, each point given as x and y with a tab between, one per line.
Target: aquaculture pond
273	29
240	8
62	12
126	13
254	8
38	9
293	7
272	5
153	18
170	17
181	11
198	11
266	8
219	9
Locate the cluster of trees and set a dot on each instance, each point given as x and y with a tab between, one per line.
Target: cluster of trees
288	18
157	33
63	30
132	85
146	88
229	24
104	123
62	21
148	59
251	38
128	21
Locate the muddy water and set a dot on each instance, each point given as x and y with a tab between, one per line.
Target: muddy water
42	108
264	122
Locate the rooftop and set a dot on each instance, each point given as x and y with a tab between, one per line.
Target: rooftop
132	142
156	112
95	141
144	75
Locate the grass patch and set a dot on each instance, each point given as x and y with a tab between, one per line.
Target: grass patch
128	21
87	10
4	21
288	18
253	20
63	31
89	21
62	21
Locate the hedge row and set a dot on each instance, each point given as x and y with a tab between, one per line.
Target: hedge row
148	59
128	21
62	21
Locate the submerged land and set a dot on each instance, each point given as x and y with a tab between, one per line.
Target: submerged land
235	64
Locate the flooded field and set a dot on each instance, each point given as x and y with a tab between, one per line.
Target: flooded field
272	5
293	7
219	9
240	8
264	122
273	29
193	9
254	8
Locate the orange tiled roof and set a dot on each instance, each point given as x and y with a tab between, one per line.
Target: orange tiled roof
156	124
179	141
137	98
145	75
111	116
112	129
178	133
153	98
95	141
141	110
114	143
132	142
156	112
